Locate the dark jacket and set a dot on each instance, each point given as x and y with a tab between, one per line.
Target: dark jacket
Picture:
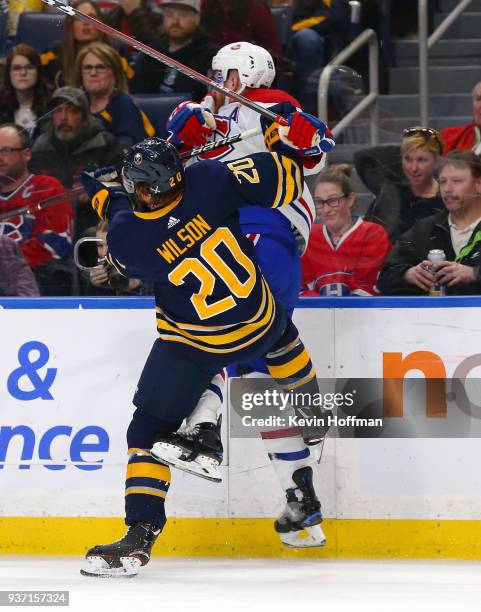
16	276
142	24
326	17
413	247
227	23
125	120
396	208
153	77
95	146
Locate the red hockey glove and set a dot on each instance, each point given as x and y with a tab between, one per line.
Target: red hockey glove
307	133
190	124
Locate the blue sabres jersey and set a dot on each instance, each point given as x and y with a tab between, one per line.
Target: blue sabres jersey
209	292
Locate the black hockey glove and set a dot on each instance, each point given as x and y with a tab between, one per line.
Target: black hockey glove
99	185
117	281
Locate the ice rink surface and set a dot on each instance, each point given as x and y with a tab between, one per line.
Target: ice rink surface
273	585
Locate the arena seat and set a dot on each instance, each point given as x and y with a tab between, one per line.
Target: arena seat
282	16
3	32
158	107
39	30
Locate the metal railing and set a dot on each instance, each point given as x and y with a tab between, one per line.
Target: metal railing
370	101
425	43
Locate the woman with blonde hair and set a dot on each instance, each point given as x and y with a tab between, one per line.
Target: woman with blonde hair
345	253
59	61
403	179
98	70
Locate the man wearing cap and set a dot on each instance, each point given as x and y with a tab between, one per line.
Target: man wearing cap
72	142
183	40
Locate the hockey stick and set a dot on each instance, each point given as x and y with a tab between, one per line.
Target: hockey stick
165	59
319	448
215	144
22	210
210	146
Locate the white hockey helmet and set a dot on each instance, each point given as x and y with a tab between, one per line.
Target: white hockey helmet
253	63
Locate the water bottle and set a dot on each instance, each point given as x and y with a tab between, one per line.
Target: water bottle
434	256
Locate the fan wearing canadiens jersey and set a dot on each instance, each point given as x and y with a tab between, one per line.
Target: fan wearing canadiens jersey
345	253
280	237
44	236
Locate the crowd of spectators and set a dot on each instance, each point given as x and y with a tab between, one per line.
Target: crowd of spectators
72	107
59	60
454	230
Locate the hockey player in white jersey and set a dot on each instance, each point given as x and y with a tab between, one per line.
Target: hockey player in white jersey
280	238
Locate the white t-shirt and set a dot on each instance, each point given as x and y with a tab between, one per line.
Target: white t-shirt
25	117
460	237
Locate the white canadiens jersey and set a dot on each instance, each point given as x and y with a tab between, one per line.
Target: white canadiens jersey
234	118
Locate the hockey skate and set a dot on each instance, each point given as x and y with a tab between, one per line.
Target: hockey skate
198	451
299	526
122	559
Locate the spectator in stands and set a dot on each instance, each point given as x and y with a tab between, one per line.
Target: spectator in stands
44	236
98	70
466	137
59	61
135	18
24	94
72	142
456	230
184	41
16	276
104	279
319	28
345	253
404	184
228	21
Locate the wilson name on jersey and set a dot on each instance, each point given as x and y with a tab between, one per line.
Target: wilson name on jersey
209	292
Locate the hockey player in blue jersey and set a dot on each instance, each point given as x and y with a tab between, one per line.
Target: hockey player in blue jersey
180	231
280	236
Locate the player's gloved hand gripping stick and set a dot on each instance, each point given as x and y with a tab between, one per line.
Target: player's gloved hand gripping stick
191	124
307	134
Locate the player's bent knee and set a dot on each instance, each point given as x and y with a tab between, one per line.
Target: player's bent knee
144	428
